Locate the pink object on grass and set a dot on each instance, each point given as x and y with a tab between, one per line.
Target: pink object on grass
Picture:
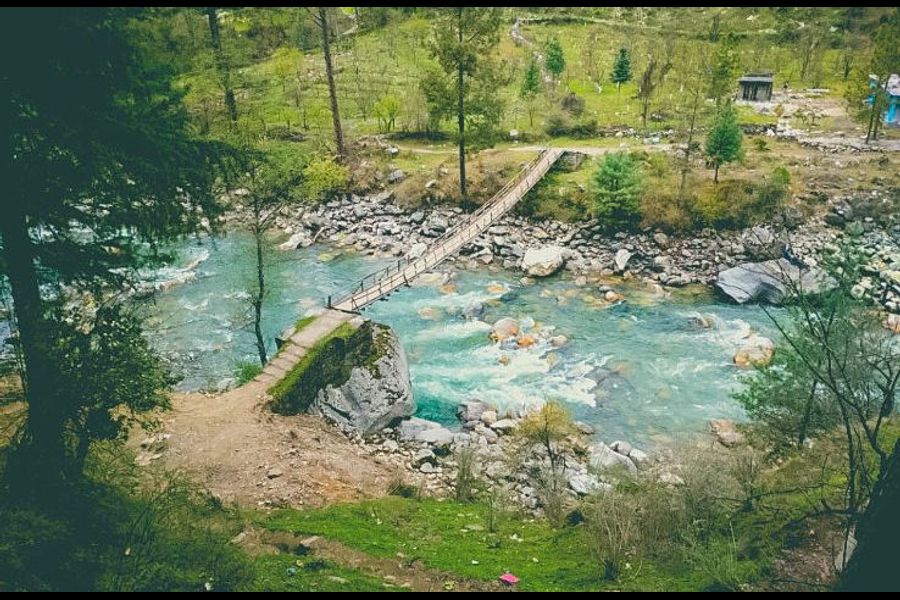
509	579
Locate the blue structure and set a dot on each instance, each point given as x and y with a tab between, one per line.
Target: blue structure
892	89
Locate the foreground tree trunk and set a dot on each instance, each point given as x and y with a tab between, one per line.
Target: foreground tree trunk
259	295
461	114
332	91
222	63
44	429
872	566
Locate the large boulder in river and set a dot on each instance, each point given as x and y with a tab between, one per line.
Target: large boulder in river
503	329
374	395
359	380
771	281
543	261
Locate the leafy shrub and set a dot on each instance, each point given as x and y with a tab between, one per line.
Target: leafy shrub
739	204
559	123
548	435
663	208
760	144
464	487
246	372
399	486
323	178
573	104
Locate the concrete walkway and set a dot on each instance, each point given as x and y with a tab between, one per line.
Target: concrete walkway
301	342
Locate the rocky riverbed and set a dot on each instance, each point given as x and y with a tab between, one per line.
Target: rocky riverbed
375	224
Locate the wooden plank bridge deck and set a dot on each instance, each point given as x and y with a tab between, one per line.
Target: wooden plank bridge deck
381	283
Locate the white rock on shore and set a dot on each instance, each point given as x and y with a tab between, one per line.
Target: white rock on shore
543	261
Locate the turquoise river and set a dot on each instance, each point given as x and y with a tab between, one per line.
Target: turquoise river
641	370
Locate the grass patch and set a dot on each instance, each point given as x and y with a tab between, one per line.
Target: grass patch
246	372
288	573
453	537
303	322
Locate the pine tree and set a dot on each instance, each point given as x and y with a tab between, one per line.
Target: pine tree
723	144
95	139
621	72
463	39
618	184
724	69
531	87
555	57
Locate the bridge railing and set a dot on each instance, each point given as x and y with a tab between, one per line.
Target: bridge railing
451	240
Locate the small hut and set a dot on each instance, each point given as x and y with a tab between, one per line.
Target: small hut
756	87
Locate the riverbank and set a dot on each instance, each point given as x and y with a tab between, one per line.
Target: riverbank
376	225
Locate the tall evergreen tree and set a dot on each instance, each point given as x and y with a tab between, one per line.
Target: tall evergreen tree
723	144
555	57
99	168
531	87
463	36
621	72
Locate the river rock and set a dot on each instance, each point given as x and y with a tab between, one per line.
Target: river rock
726	432
293	242
503	329
558	341
621	447
471	410
638	456
373	396
504	425
417	250
409	429
543	261
439	437
472	310
423	456
769	281
489	417
396	176
621	259
757	350
602	457
584	483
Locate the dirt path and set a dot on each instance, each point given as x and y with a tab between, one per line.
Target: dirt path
233	445
397	571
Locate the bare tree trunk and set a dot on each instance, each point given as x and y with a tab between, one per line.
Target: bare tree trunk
872	116
716	173
807	415
461	115
260	293
687	151
44	428
332	91
222	63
